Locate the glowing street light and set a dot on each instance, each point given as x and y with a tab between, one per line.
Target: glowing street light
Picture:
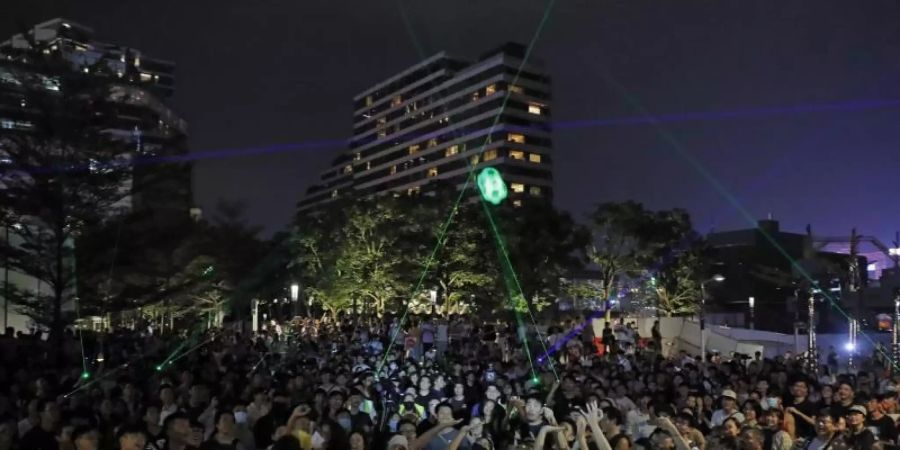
295	292
752	302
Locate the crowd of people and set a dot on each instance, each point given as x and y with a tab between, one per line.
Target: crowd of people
427	384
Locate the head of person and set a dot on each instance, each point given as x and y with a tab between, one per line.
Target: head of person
684	422
225	423
773	419
845	392
286	442
151	415
131	437
492	392
459	389
444	413
357	441
533	409
398	442
728	400
752	411
856	417
800	389
825	425
167	395
86	437
177	428
611	421
731	428
335	401
661	440
407	429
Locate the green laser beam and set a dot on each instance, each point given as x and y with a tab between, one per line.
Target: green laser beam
409	29
504	255
428	263
471	176
721	190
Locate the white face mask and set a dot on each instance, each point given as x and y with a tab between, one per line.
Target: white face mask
240	417
317	440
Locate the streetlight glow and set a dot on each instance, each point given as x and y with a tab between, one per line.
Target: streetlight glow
295	292
752	301
718	278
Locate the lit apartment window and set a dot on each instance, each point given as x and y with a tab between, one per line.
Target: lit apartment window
396	101
382	121
517	187
369	100
516	154
534	109
348	169
368	165
517	203
433	172
413	149
490	154
334	193
452	150
382	133
534	157
357	156
137	61
515	137
393	170
475	96
475	159
516	89
432	142
491	89
535	191
413	191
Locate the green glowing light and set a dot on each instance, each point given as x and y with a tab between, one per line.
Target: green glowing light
492	187
159	368
85	375
535	380
208	271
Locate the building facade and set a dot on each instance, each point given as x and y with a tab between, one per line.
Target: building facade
442	119
132	89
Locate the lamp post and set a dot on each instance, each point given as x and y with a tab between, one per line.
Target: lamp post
718	279
752	302
295	294
812	355
851	344
895	334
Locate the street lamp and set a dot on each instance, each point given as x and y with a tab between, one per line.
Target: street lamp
295	294
895	334
752	302
718	278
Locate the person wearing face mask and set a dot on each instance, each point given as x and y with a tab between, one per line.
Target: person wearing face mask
409	406
241	429
344	419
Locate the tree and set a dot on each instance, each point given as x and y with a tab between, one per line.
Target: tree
543	244
61	179
657	253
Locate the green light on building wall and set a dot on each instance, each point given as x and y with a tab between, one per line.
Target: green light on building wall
492	187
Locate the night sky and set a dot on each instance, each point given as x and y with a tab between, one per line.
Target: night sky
259	73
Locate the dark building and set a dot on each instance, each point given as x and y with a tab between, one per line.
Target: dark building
432	121
773	267
136	87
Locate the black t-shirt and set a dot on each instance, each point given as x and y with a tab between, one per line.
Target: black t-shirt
613	441
214	444
887	430
38	439
864	440
808	408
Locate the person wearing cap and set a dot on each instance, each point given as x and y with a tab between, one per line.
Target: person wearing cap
728	402
858	437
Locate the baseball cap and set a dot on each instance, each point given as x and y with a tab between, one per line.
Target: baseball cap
729	394
857	409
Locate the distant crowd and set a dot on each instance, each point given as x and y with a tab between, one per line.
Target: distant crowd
427	384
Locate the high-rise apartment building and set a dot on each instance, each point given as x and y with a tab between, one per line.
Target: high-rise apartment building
136	87
438	119
129	87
